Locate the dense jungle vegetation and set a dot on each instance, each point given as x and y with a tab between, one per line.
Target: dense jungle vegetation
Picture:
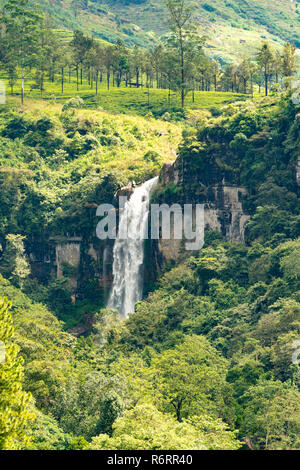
208	352
209	358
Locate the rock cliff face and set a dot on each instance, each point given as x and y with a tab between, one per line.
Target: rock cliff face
75	259
68	256
223	210
221	194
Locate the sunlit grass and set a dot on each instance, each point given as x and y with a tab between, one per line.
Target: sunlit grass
135	137
126	100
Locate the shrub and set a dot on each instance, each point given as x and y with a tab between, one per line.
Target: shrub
76	102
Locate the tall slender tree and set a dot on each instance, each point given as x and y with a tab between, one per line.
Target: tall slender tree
181	24
265	59
20	33
288	60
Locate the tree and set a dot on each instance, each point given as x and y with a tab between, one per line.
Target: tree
190	378
77	5
215	72
272	415
80	45
246	70
14	402
265	59
120	61
288	60
210	264
290	259
137	63
213	433
146	428
13	263
277	65
108	58
98	65
167	68
55	51
21	26
181	24
49	52
64	60
157	61
229	78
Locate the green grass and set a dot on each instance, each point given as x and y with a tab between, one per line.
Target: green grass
240	23
126	100
222	21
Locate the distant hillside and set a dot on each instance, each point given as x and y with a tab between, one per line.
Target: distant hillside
233	27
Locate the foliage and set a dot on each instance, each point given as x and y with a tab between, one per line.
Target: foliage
14	264
145	428
14	411
205	361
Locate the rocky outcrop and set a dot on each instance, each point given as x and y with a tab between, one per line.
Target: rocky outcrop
169	174
68	259
77	260
225	213
73	258
126	191
223	209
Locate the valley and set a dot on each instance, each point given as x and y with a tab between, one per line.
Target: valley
124	343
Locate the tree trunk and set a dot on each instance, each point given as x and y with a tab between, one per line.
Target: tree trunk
178	410
42	83
182	69
22	86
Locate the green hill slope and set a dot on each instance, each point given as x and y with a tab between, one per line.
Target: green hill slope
233	27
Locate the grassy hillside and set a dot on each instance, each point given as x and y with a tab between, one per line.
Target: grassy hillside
232	27
125	100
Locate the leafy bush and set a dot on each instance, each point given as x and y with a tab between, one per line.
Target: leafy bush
75	102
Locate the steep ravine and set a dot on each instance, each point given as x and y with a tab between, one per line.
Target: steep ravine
229	172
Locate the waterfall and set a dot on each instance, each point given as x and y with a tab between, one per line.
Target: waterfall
128	252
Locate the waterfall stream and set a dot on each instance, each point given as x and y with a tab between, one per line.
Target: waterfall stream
128	252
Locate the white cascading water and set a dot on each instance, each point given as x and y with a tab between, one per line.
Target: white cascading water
128	254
